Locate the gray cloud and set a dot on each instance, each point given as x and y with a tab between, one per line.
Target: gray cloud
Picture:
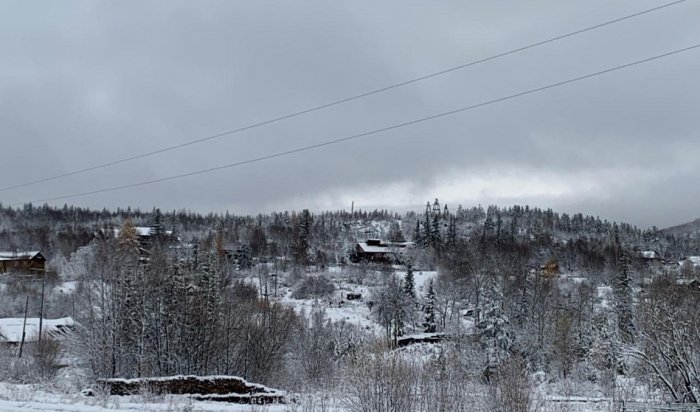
82	83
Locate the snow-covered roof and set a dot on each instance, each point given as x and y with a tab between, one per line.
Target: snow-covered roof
373	249
143	231
695	260
11	328
648	254
18	255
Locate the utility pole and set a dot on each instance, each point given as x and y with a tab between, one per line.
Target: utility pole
24	326
275	276
41	310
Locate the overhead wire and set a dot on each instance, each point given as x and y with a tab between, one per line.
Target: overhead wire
368	133
339	101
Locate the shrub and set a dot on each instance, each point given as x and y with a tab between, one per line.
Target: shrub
316	286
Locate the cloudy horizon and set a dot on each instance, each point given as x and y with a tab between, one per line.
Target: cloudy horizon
84	83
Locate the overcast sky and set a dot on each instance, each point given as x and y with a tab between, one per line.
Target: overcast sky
82	83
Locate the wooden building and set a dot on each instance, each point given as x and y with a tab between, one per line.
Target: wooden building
22	262
374	250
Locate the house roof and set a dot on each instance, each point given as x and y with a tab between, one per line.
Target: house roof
143	231
11	328
695	260
649	254
20	255
373	249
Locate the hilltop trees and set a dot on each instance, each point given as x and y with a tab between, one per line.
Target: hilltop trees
149	309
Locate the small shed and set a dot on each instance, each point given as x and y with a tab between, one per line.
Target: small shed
24	262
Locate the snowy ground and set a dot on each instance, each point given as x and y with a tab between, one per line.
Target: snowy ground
357	312
31	398
34	398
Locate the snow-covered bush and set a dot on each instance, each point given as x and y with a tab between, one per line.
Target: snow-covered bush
315	286
39	363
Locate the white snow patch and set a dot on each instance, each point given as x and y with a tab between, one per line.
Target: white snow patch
67	287
11	328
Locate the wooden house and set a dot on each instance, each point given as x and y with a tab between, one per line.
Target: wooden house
22	262
551	268
374	250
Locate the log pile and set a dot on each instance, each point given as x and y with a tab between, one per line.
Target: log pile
206	388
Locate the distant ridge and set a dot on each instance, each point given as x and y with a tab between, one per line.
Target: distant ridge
691	229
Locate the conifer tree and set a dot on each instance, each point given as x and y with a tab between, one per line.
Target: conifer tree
623	299
409	286
157	227
452	231
430	323
417	235
435	235
427	239
489	225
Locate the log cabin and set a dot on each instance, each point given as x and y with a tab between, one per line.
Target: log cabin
22	262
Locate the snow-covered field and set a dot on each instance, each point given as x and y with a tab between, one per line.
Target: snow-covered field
42	401
37	398
33	398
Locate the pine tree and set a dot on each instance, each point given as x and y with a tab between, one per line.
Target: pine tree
513	230
623	297
435	235
417	234
302	240
409	286
157	227
499	226
427	239
430	323
489	225
452	231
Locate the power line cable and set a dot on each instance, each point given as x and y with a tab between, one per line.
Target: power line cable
369	133
338	102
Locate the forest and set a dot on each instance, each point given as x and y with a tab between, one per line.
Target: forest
505	309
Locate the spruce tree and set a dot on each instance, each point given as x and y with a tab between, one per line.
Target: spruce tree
489	225
417	235
435	235
157	227
623	298
452	231
409	286
430	323
427	239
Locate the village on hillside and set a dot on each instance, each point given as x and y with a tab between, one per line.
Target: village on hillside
362	276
